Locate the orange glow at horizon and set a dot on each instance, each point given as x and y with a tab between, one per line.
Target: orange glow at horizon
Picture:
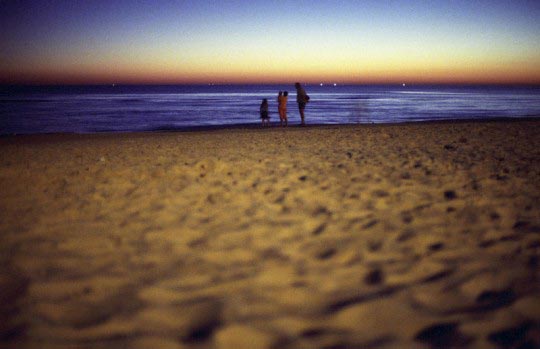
346	72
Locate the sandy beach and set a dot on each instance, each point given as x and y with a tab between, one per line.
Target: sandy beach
372	236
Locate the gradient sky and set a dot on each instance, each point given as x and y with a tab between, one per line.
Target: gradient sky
174	41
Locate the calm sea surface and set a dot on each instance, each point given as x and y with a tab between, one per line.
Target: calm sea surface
87	109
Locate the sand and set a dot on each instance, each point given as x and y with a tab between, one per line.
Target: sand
396	236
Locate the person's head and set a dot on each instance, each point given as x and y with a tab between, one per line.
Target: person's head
297	85
265	101
280	93
285	93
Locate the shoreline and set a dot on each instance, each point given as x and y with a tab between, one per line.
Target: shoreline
275	125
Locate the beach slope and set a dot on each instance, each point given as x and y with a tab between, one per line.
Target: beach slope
382	236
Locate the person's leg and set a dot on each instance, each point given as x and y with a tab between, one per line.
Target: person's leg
301	110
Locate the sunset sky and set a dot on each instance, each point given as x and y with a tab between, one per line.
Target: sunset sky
130	41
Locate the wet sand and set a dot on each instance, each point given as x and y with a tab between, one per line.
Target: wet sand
395	236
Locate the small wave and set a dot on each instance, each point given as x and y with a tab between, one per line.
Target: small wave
354	98
23	100
128	100
431	93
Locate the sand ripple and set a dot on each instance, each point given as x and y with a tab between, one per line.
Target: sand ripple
416	236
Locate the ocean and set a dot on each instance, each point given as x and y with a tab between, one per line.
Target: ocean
125	108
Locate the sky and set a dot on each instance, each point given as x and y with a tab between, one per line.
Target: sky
174	41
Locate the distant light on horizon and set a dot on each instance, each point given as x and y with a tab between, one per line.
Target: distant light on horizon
119	41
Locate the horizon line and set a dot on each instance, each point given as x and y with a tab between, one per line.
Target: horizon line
322	83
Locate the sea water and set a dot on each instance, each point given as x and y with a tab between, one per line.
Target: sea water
123	108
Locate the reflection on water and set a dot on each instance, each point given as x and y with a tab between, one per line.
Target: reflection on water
139	108
359	111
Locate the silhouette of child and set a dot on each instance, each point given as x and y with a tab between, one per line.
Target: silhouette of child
282	107
265	119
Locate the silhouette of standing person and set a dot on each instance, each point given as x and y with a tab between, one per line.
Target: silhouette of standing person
282	107
301	98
